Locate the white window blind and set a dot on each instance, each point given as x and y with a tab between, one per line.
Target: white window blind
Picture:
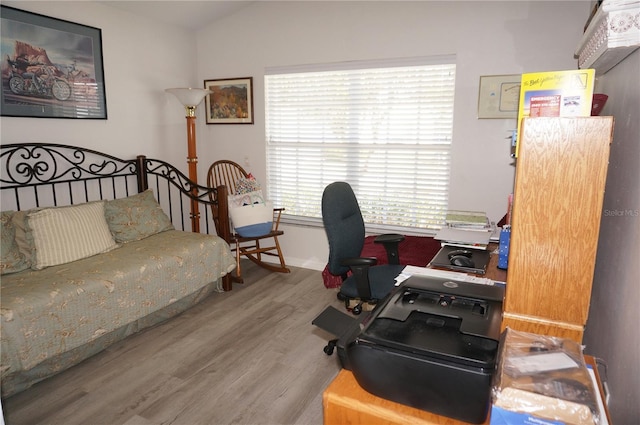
385	128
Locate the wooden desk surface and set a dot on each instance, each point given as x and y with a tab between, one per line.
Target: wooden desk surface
493	272
345	402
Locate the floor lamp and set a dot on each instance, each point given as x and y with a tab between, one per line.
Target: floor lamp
191	98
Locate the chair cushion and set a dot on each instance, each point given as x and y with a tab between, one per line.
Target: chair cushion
381	278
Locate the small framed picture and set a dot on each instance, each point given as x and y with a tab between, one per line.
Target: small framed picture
230	101
498	97
50	68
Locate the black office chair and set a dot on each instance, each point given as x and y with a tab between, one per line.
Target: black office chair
345	230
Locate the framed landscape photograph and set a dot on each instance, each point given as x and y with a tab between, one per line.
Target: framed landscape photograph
230	101
51	68
498	97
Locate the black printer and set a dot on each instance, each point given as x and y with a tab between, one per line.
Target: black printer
432	344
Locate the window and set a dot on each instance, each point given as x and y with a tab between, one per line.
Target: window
384	127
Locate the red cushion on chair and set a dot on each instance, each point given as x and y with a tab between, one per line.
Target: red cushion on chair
414	251
330	280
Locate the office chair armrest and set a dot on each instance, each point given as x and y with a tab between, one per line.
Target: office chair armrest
360	268
389	238
359	261
391	242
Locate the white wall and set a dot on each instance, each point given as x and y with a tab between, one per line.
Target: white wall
141	59
488	38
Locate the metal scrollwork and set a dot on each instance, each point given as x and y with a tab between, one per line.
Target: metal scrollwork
32	164
204	194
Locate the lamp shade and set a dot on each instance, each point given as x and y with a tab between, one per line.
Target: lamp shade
189	97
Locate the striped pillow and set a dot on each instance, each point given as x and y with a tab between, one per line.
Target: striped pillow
64	234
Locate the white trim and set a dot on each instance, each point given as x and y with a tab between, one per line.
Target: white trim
612	35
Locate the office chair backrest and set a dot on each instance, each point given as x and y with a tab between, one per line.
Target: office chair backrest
343	224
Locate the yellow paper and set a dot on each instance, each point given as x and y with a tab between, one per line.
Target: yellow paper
556	94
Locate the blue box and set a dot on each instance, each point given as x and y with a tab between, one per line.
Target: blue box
500	416
503	249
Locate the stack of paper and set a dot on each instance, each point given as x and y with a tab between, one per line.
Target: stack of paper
471	220
477	239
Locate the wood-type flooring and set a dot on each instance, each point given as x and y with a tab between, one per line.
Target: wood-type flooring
248	356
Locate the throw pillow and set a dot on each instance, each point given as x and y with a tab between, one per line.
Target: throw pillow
250	214
249	198
20	222
11	260
136	217
247	184
64	234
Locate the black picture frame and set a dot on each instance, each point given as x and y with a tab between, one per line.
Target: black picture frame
51	68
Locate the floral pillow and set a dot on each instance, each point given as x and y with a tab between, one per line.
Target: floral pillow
247	185
12	260
136	217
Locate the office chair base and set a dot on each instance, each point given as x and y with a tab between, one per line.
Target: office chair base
331	345
357	306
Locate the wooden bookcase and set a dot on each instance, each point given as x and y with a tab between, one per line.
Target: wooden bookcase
559	188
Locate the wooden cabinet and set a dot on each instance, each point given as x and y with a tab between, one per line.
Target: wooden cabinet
559	188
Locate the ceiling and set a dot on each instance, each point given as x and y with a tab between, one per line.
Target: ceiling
188	14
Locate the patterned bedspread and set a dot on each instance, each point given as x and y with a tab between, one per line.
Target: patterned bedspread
52	311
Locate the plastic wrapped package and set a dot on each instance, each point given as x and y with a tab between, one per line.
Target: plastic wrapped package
542	377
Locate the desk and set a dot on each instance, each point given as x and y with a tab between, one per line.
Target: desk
345	402
493	272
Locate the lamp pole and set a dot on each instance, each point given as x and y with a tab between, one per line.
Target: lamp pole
192	162
191	98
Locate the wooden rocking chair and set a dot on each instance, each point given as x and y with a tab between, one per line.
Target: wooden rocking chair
227	173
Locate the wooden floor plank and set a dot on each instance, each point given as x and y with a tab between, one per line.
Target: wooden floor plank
248	356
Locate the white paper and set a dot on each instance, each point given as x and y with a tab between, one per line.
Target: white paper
409	271
545	362
472	237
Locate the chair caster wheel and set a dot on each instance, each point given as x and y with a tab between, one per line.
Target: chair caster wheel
357	309
331	345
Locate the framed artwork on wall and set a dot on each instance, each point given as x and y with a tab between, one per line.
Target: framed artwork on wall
498	97
230	101
51	68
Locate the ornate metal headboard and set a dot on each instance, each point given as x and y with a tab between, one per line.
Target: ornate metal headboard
46	174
